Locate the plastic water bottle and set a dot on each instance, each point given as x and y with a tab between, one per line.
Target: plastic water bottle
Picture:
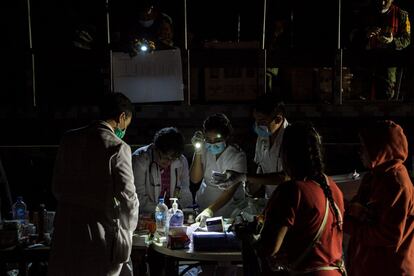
161	211
19	210
251	211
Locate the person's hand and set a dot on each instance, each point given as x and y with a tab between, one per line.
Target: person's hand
372	32
218	177
203	216
386	39
198	142
227	180
83	39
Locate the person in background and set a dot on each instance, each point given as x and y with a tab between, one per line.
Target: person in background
270	125
277	41
219	166
93	184
147	25
303	218
380	218
387	28
390	29
161	169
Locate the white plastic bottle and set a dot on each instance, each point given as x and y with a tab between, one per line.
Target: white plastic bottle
175	215
161	217
19	210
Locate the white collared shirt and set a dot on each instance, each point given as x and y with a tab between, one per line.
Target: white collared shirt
232	159
268	158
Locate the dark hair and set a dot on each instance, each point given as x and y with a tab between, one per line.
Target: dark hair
114	104
269	105
303	158
219	123
169	139
144	5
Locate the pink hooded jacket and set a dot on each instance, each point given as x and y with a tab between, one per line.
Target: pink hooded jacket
383	243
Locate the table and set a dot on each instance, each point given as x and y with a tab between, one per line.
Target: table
24	256
159	258
162	259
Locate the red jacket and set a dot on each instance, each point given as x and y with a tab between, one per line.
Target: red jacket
383	243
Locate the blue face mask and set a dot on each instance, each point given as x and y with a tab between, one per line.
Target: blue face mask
146	23
262	131
216	148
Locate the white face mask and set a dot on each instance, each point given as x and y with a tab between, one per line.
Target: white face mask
146	23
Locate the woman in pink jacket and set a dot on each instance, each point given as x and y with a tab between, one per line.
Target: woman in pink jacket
380	219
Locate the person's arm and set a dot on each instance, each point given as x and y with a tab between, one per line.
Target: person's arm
390	209
271	246
224	198
125	189
184	182
196	169
403	40
140	168
256	181
229	189
280	215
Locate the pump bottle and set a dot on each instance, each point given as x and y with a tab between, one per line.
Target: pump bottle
175	215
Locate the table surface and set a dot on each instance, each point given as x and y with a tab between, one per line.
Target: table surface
138	245
190	254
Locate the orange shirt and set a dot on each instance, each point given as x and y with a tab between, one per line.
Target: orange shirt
301	206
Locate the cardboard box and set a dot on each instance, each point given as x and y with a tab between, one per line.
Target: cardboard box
324	77
232	84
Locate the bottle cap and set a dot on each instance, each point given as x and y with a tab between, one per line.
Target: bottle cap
175	204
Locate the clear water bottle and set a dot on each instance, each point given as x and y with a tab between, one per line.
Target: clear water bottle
161	211
251	210
19	210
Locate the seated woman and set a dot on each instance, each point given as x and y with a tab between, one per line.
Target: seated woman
304	215
161	169
380	218
220	192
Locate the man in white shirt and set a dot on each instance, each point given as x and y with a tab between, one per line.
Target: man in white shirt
93	184
270	124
